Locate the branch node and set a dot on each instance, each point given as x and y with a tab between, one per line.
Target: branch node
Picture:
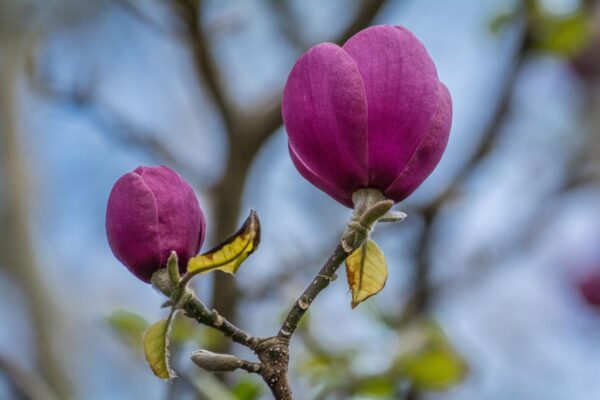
217	318
303	302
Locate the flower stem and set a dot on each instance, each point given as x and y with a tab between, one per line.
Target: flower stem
195	309
319	282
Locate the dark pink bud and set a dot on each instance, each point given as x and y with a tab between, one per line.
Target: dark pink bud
151	212
372	113
589	287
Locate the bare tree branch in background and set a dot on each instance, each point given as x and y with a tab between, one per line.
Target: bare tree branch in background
111	122
27	384
43	316
489	137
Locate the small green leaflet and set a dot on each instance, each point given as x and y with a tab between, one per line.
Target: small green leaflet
130	326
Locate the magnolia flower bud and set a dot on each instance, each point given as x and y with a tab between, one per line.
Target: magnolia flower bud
369	114
589	288
151	212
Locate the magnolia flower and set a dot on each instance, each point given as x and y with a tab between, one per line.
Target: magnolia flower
369	114
151	212
589	287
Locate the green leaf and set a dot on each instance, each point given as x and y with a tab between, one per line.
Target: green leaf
247	389
377	386
184	330
431	363
366	270
229	255
156	342
564	36
130	326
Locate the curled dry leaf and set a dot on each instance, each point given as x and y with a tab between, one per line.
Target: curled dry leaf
230	254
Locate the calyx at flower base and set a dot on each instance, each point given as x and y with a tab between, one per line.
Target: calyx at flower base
370	206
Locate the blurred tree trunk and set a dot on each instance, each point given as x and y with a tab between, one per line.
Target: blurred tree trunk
16	236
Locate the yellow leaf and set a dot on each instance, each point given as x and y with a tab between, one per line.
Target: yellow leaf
155	341
366	270
229	255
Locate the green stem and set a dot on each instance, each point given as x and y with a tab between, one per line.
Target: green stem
319	282
194	308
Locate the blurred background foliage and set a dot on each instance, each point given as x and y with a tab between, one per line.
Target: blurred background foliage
483	297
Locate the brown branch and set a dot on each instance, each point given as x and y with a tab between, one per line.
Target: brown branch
272	352
319	282
287	24
111	122
208	71
364	16
178	293
197	310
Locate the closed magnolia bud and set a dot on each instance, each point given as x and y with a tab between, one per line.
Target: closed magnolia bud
216	362
151	212
369	114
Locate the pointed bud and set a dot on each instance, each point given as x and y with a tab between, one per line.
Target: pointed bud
216	362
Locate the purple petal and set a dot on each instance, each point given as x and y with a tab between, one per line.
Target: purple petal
401	86
132	226
338	194
590	289
325	115
179	215
428	153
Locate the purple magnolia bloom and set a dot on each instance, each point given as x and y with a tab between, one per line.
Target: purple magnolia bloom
589	287
369	114
151	212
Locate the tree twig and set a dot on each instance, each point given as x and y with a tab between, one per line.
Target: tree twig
112	123
325	276
197	310
420	298
208	72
